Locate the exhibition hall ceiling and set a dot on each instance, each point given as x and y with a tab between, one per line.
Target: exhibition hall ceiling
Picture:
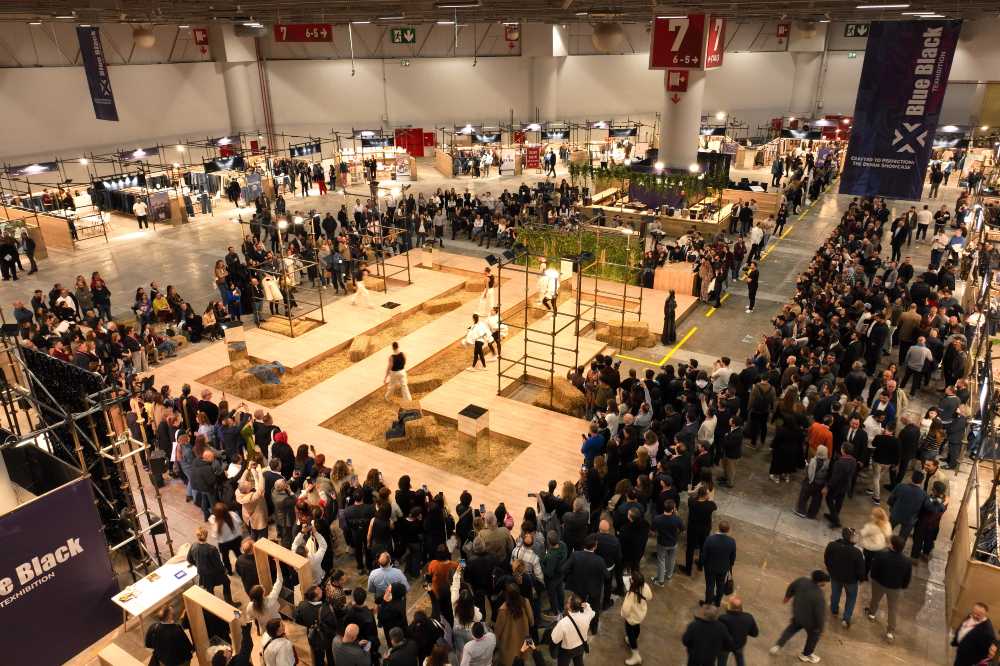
424	11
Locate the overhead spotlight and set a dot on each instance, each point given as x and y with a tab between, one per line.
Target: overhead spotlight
360	22
949	128
694	168
721	115
180	148
404	63
983	128
659	166
34	22
183	27
84	161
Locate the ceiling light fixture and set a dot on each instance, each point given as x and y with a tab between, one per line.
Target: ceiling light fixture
253	24
916	13
446	23
400	17
66	16
83	161
34	22
931	16
183	27
360	22
824	20
900	6
671	17
456	4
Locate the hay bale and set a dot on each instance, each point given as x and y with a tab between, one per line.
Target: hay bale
244	381
423	383
636	328
628	342
241	364
422	431
443	304
270	391
360	348
411	405
374	284
649	340
475	284
397	443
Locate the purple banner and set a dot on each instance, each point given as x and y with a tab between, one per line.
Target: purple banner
56	580
899	102
98	78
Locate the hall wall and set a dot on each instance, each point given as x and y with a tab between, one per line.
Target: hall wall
46	110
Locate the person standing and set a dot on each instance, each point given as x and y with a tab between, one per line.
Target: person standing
718	556
141	212
669	335
700	510
741	626
808	614
170	645
907	500
586	576
706	638
890	575
477	336
668	526
488	297
884	459
395	373
846	566
634	608
732	450
207	559
975	637
571	632
813	484
28	248
227	530
752	280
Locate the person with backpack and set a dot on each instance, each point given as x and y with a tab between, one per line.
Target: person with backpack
277	649
813	484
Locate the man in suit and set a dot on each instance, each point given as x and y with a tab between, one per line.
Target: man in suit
974	638
718	556
610	550
585	574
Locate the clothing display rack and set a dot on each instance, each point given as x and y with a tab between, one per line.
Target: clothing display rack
63	221
80	419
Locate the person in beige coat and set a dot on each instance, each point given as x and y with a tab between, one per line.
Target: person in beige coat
250	495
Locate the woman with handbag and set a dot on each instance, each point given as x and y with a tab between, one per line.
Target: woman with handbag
572	631
170	645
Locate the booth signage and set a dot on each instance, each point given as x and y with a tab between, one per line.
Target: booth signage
403	36
677	80
902	88
678	43
55	557
303	32
716	45
376	142
519	136
31	169
856	29
533	157
623	132
98	78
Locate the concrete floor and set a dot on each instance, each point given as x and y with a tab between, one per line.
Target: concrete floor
774	546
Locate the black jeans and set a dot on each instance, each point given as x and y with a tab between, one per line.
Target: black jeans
737	655
231	546
812	636
632	635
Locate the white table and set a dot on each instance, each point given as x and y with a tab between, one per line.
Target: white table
154	590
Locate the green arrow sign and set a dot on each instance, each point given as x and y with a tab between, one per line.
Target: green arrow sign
403	36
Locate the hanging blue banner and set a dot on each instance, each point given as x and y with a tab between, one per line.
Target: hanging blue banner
899	102
98	78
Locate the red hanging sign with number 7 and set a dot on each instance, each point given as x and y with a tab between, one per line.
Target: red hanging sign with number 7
678	43
303	32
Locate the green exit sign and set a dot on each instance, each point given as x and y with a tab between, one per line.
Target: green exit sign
403	36
852	54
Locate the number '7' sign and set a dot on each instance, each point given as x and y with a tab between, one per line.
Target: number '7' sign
678	43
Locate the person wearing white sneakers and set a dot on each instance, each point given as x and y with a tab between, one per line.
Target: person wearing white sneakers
633	611
808	613
890	575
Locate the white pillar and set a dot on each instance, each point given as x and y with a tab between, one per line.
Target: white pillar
805	82
241	99
680	122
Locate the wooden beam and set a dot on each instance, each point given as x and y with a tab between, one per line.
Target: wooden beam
197	602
